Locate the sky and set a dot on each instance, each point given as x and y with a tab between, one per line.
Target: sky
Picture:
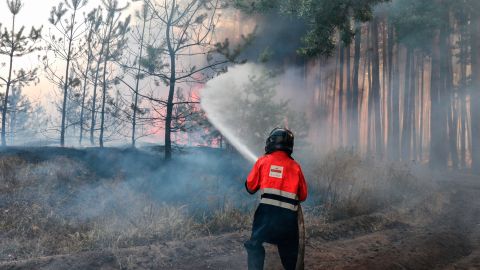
33	13
36	13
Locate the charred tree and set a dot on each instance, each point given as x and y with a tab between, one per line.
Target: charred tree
348	91
341	93
334	96
355	86
451	97
376	90
438	119
370	106
408	103
475	90
463	59
421	106
396	105
394	85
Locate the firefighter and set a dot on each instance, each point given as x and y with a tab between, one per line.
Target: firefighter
282	185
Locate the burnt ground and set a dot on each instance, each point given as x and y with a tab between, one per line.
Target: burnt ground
441	232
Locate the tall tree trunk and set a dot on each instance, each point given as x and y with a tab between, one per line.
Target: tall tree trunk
13	116
84	93
438	118
340	94
475	92
94	95
384	55
376	90
421	105
407	106
104	98
452	107
365	70
171	91
395	100
371	119
356	65
334	99
348	89
452	131
82	109
104	87
385	94
135	105
390	42
463	97
67	81
110	25
9	84
413	104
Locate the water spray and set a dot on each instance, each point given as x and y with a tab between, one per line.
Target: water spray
227	133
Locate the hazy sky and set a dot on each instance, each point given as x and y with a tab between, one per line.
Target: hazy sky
36	13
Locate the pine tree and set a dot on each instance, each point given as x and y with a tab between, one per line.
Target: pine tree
14	44
114	42
185	27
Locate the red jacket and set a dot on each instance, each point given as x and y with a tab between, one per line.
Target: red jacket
280	180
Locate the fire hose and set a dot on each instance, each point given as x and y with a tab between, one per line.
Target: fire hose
301	240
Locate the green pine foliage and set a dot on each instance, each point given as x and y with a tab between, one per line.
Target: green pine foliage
322	17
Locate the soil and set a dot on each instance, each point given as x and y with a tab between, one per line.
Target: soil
442	232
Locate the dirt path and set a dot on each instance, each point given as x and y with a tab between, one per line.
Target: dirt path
448	239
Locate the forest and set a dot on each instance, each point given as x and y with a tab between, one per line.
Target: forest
405	87
376	79
129	128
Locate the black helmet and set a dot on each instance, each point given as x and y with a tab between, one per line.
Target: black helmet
280	139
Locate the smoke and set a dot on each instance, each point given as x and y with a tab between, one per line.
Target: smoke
276	39
89	183
198	179
222	93
249	100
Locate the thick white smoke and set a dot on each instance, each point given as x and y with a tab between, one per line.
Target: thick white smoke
216	100
249	100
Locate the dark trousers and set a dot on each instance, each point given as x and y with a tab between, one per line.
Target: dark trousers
273	225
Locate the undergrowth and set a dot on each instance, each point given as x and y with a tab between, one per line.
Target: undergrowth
345	185
61	206
52	207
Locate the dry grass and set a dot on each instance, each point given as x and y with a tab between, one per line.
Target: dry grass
52	207
345	185
228	218
60	206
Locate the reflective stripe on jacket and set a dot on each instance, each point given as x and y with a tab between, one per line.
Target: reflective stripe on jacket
280	180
